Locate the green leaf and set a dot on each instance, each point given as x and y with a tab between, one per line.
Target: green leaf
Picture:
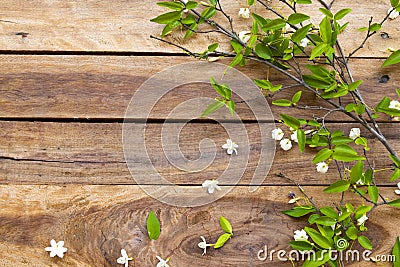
337	187
319	83
373	193
322	155
394	58
340	140
212	47
236	60
356	172
304	2
172	5
260	20
153	226
300	211
191	5
301	33
353	86
326	221
316	260
192	29
329	211
297	18
395	175
375	27
395	203
274	25
396	253
212	108
167	18
250	2
301	139
326	12
325	29
296	97
361	210
394	3
221	90
301	245
225	225
208	13
345	153
237	47
222	240
263	51
169	27
364	242
320	240
231	106
352	232
342	13
395	160
290	121
319	50
312	218
282	103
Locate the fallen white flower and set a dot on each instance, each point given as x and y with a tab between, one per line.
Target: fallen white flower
230	146
300	235
322	167
394	104
392	13
124	259
362	220
293	137
56	249
244	12
277	134
203	245
244	36
286	144
162	263
211	185
294	200
354	133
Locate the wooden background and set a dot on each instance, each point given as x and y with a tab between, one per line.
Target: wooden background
68	72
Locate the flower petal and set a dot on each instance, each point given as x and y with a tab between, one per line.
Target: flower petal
53	243
397	192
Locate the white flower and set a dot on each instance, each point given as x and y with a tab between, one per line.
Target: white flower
124	259
293	137
56	249
304	42
244	36
244	12
362	220
294	200
359	182
211	185
230	147
162	263
203	245
322	167
185	1
300	235
397	191
394	104
286	144
354	133
392	13
287	27
277	134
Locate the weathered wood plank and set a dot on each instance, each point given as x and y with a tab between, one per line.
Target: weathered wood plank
101	87
92	153
126	26
97	221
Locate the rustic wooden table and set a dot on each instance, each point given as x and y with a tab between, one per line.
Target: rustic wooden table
68	72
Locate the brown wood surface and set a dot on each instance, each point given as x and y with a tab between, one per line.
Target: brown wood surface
125	26
97	221
90	87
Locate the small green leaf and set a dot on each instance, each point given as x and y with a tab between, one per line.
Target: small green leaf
395	203
329	211
342	13
263	51
167	18
317	259
225	225
290	121
236	60
301	139
375	27
325	29
394	3
312	218
326	221
301	245
172	5
396	253
301	33
274	25
395	160
296	97
191	5
337	187
319	50
394	58
306	2
373	193
222	240
352	232
353	86
322	155
299	211
153	226
231	106
282	103
364	242
320	240
212	47
340	140
297	18
237	47
208	13
212	108
395	175
250	2
356	172
344	216
326	12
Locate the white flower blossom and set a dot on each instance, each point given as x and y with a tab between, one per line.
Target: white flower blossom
162	263
185	1
354	133
124	259
277	134
203	245
322	167
56	249
286	144
359	182
304	42
211	185
362	220
230	146
294	200
394	104
244	36
300	235
393	13
293	137
397	191
244	12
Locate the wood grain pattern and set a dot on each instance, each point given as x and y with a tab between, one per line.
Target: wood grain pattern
97	221
92	153
125	26
90	87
